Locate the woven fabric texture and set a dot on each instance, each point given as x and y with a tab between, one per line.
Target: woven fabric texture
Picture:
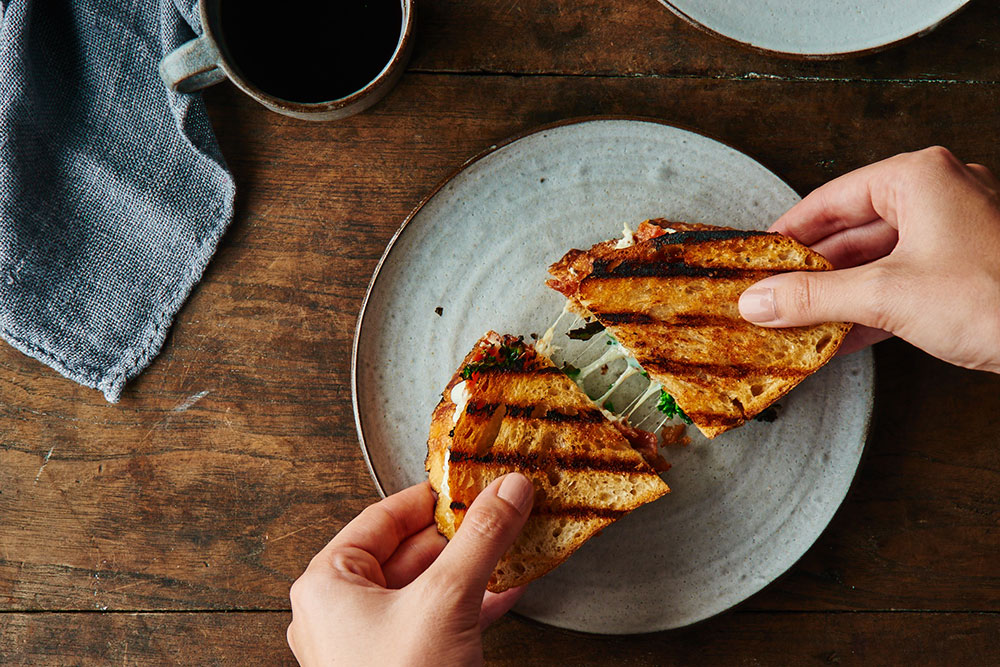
113	193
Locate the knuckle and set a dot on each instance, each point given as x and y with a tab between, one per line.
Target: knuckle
437	585
879	279
298	590
487	523
380	518
938	156
879	297
927	170
987	181
351	562
371	513
342	561
802	295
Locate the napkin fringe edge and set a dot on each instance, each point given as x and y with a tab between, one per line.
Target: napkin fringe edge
135	359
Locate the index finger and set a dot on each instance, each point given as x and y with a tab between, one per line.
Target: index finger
381	527
847	201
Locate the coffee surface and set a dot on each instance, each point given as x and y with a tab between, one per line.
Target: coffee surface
309	50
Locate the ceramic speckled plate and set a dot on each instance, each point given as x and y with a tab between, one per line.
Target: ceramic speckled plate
745	506
817	28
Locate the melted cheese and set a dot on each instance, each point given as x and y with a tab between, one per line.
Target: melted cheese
444	475
460	397
543	345
628	238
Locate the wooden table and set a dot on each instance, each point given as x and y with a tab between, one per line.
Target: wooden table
168	528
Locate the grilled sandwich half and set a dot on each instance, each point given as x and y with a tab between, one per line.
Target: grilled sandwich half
508	409
670	294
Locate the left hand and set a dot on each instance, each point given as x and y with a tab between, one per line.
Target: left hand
389	589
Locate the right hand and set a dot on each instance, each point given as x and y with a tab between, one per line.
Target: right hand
915	244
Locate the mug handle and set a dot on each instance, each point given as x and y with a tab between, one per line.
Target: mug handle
192	66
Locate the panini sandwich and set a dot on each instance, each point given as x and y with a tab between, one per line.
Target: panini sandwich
669	294
507	409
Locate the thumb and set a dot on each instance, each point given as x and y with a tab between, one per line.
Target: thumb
491	525
813	297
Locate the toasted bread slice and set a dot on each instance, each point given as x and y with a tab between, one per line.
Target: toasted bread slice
515	411
671	299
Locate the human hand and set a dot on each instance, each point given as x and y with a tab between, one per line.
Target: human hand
390	590
915	241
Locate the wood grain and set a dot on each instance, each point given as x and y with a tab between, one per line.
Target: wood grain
764	639
145	639
641	37
257	638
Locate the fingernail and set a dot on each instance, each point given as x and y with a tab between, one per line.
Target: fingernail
757	305
516	489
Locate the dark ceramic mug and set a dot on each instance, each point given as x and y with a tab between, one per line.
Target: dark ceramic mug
208	59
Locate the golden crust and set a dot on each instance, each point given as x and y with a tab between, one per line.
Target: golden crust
535	421
672	301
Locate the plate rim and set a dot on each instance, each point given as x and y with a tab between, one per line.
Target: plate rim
448	178
819	56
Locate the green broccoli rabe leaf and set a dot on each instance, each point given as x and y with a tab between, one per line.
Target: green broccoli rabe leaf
668	406
609	406
505	357
587	331
571	371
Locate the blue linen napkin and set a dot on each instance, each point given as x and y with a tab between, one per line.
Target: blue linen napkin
113	192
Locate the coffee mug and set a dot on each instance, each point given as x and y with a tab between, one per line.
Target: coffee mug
310	59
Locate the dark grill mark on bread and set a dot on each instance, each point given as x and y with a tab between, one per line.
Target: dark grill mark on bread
686	320
631	268
475	408
586	416
533	411
625	318
455	505
703	236
545	461
519	411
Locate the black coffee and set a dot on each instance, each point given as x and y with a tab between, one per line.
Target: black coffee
310	50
